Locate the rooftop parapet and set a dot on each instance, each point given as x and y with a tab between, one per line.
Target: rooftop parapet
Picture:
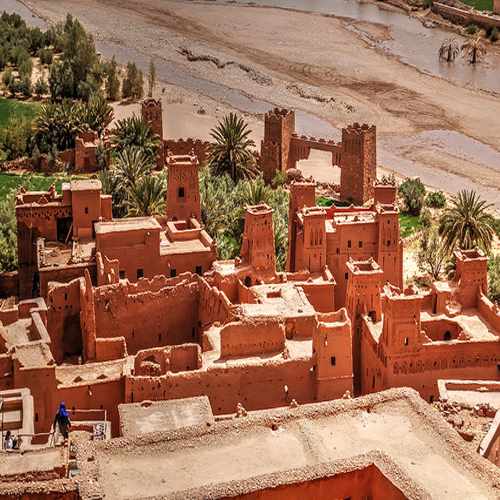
364	266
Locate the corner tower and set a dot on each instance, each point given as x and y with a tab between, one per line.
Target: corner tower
359	163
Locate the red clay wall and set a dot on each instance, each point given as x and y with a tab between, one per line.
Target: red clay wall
247	337
166	317
368	483
256	386
63	320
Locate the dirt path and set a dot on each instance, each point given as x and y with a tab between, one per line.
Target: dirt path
281	56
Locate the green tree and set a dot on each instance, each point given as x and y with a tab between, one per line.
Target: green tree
131	132
7	78
152	78
146	197
101	156
132	164
133	83
8	234
413	194
41	87
494	278
98	114
432	252
436	199
15	139
112	86
467	223
231	152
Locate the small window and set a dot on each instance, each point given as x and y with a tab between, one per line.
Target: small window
181	192
140	273
338	250
388	243
346	275
122	275
348	243
332	360
173	273
406	341
86	210
198	270
360	244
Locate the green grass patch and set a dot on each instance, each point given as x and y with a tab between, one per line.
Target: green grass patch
36	182
325	201
408	224
480	4
12	108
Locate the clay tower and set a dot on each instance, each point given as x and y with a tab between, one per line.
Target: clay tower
183	188
279	126
359	163
151	111
257	248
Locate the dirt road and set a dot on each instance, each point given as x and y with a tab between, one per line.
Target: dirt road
320	64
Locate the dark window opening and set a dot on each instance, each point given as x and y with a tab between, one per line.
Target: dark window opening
140	273
198	270
173	273
193	332
431	399
36	417
86	210
338	250
248	281
447	335
348	243
360	244
332	361
181	192
122	275
346	275
406	341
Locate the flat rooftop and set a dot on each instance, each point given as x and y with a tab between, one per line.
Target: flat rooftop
238	456
138	419
471	321
85	185
470	392
286	300
127	224
193	245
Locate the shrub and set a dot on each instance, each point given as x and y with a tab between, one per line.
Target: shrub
494	278
471	29
426	219
489	29
413	193
7	78
436	199
41	87
494	34
46	56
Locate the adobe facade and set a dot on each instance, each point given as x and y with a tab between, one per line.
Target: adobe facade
449	332
319	237
61	236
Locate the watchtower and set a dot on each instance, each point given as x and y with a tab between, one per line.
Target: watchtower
183	188
151	111
359	163
257	248
279	126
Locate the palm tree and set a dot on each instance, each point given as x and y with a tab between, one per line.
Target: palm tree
98	114
449	50
231	152
467	224
474	49
254	192
146	197
134	132
132	165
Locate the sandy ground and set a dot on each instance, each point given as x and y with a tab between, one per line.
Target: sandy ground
288	50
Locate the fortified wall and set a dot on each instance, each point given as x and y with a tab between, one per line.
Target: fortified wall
355	154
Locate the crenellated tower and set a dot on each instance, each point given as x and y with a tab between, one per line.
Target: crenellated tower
151	111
